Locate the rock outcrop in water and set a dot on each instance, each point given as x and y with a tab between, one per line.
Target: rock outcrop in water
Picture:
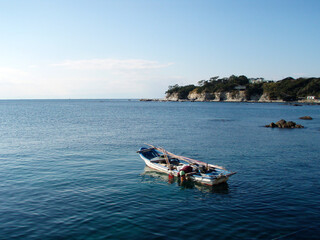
306	118
284	124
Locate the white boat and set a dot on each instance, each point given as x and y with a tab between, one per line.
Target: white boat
163	161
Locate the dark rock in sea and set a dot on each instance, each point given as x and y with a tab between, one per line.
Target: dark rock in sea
284	124
306	118
272	125
151	100
291	124
281	123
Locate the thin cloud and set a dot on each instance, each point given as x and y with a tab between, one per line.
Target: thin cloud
11	76
111	64
12	71
121	79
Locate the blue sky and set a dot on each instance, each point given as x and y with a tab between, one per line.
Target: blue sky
136	48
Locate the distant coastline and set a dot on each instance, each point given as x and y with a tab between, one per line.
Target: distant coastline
305	102
243	89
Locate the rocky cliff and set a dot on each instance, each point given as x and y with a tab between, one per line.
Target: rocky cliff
172	97
232	96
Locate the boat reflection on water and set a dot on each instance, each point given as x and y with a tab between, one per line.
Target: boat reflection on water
222	188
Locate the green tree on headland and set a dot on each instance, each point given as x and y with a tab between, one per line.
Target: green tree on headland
182	91
215	84
290	89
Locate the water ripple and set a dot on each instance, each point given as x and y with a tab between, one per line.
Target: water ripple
69	170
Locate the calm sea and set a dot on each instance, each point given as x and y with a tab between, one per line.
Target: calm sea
69	170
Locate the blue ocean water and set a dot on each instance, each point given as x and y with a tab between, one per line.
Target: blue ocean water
69	170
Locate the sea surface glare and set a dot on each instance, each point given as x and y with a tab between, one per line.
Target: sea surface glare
69	170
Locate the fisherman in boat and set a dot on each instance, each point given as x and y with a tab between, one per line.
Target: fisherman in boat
187	169
182	175
185	172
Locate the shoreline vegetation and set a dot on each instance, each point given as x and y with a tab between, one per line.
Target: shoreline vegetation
243	89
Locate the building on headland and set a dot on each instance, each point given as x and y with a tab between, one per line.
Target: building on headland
259	80
256	80
311	98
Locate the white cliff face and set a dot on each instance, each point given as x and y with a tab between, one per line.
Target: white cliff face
233	96
172	97
200	97
219	96
265	98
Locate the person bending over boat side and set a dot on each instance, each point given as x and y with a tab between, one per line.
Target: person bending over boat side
182	175
187	169
185	172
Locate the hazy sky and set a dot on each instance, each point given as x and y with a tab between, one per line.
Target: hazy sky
136	48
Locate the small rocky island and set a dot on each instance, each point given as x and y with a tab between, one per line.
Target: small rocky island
284	124
306	118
